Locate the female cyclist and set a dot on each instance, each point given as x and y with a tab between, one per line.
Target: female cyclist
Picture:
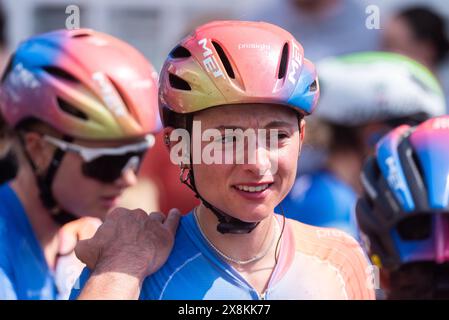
225	81
78	109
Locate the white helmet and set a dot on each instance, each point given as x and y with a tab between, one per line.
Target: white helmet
365	87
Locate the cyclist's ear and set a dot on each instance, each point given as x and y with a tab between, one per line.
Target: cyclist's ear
38	150
302	130
167	137
178	143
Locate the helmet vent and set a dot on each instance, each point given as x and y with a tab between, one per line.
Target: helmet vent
178	83
283	63
59	73
418	227
313	86
70	109
414	174
80	35
224	59
180	52
420	83
122	95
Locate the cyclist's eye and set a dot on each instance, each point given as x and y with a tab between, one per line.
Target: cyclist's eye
283	135
229	139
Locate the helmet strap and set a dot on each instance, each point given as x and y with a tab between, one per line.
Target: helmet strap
226	223
45	181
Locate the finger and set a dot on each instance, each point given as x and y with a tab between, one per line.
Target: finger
157	216
86	253
89	227
172	220
67	241
116	213
140	214
79	229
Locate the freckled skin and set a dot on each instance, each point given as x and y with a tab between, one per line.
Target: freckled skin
221	178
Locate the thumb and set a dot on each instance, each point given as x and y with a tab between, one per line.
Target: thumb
80	229
67	241
88	228
86	253
172	220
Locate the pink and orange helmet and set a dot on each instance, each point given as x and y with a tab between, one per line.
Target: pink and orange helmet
236	62
84	83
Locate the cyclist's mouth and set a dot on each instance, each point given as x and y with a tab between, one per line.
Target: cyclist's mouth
110	201
253	190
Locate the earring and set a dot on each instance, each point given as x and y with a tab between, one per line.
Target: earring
167	140
184	177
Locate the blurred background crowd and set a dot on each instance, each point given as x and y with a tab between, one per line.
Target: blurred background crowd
333	156
325	28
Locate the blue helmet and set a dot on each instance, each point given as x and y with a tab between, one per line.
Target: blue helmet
403	214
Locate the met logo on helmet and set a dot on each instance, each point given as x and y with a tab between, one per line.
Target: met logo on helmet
22	76
209	61
296	63
393	176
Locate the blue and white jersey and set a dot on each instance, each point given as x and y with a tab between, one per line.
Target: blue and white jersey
24	273
312	264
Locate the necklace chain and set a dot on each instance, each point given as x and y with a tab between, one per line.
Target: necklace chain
228	258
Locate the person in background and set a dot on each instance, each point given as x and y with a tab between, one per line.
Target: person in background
403	212
363	96
325	27
78	108
8	161
420	33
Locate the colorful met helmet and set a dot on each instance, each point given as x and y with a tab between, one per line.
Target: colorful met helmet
84	83
404	212
365	87
237	62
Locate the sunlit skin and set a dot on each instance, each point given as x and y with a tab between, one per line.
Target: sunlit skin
217	183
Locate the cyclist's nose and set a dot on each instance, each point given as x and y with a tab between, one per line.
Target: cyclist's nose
127	179
259	160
